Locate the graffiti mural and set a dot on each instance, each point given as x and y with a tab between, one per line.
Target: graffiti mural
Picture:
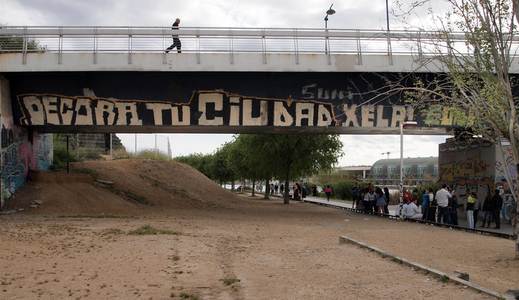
215	102
21	151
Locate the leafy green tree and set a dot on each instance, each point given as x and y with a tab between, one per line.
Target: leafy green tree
220	166
304	155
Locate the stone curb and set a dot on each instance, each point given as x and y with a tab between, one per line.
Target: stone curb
439	274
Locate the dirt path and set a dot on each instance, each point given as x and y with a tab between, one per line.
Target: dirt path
488	260
257	250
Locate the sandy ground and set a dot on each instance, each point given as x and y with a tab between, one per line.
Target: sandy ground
255	250
489	261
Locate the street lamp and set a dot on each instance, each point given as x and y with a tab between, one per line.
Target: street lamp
387	15
329	12
402	125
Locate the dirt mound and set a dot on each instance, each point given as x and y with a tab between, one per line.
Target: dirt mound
129	186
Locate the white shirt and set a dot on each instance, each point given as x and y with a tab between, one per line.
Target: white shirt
410	210
442	197
369	197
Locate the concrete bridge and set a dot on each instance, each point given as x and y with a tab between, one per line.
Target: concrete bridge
48	49
119	79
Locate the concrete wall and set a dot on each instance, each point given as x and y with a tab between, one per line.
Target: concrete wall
476	167
22	150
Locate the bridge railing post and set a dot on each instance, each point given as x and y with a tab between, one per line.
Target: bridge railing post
197	46
24	46
130	46
231	47
359	49
296	46
420	50
60	46
328	49
95	46
389	49
264	47
164	59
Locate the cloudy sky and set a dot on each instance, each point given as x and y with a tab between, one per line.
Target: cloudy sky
359	14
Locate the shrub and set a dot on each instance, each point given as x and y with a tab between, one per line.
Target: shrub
343	190
61	157
151	154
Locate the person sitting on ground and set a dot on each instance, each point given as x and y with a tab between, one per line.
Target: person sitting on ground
411	211
328	192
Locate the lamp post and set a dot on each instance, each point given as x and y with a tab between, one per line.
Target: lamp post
329	12
387	15
402	125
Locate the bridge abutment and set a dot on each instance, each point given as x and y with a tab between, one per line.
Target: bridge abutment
23	150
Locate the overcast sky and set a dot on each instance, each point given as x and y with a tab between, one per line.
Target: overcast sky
358	14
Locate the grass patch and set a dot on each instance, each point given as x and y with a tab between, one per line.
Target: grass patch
149	230
229	281
188	296
444	279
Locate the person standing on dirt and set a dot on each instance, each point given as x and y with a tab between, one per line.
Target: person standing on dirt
498	205
176	41
425	204
442	198
471	201
368	200
380	201
488	211
328	192
387	195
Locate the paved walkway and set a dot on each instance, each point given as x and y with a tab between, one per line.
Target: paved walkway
505	228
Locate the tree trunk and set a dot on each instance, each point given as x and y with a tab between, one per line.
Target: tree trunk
267	188
253	187
516	217
232	186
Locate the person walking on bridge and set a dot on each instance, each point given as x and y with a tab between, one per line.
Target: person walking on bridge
176	41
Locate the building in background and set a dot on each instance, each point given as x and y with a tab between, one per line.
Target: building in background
354	172
417	170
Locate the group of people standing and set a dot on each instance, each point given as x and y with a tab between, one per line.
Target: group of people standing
442	207
373	199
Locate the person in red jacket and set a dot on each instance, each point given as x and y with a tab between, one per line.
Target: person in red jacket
328	191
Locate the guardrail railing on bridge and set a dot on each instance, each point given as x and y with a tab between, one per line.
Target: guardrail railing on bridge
75	39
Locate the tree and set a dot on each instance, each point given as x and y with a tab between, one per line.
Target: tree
219	165
477	86
296	155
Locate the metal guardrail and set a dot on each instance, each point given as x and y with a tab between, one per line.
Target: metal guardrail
76	39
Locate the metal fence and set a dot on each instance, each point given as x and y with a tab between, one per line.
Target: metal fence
74	39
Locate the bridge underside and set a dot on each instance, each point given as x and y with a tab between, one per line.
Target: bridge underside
219	102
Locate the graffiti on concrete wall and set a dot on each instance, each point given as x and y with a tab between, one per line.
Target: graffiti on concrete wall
19	153
473	171
206	108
